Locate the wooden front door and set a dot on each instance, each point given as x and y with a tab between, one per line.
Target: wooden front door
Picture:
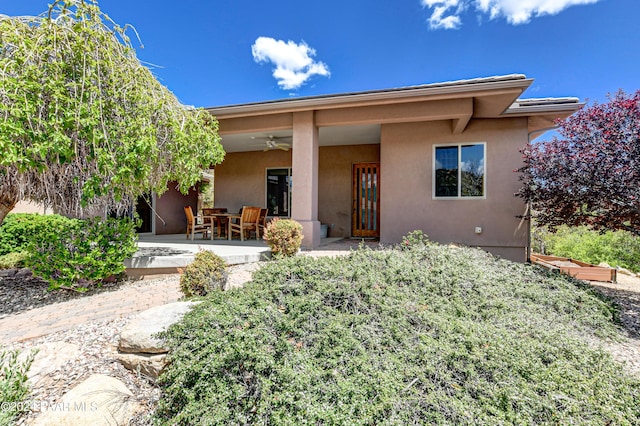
366	200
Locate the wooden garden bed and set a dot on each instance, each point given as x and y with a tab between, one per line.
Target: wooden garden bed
575	268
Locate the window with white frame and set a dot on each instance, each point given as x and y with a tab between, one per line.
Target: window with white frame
459	171
279	192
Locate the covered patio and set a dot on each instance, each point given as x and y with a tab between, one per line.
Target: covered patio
438	157
383	163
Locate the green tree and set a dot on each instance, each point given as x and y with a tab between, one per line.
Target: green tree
85	127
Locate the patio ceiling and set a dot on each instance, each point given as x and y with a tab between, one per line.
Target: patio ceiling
329	136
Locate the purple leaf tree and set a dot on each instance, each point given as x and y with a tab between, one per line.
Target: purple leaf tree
591	174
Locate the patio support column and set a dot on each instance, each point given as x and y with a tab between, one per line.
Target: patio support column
304	163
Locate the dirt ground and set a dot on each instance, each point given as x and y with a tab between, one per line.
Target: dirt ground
624	282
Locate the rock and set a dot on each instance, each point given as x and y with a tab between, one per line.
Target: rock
137	336
24	273
624	271
148	365
99	400
5	273
239	275
604	265
139	350
238	279
50	357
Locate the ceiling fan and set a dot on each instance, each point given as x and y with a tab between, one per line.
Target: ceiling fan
272	142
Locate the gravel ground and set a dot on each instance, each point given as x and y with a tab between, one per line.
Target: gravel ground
98	340
626	294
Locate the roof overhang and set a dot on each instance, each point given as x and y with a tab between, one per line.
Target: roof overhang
514	84
455	101
543	112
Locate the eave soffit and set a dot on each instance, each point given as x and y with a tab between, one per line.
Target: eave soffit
459	108
499	96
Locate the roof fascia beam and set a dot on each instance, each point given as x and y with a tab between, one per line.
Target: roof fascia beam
450	109
258	123
461	89
458	125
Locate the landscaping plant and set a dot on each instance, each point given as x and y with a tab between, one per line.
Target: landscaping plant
67	252
84	252
207	273
590	175
616	248
13	260
86	127
19	230
284	236
419	334
13	384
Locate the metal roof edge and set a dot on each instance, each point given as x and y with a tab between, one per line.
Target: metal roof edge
449	87
544	105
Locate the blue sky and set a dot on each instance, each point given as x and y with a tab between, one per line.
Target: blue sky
222	52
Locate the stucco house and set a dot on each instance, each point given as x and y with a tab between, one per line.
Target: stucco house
437	157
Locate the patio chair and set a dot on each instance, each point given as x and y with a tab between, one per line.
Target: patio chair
193	226
262	222
248	222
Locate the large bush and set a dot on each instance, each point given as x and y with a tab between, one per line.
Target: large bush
85	124
617	248
65	251
84	251
21	229
589	174
420	335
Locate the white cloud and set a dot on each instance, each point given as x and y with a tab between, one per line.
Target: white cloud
294	63
442	17
446	13
474	166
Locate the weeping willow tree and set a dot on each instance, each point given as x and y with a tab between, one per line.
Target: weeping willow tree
85	127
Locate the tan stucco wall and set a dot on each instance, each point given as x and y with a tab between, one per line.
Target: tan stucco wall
28	207
334	184
406	153
240	180
170	205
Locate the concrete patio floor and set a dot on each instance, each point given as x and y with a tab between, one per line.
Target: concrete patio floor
166	254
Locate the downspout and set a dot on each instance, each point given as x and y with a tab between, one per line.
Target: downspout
546	129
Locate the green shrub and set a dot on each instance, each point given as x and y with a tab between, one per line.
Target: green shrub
85	251
414	240
284	236
13	384
21	229
66	251
13	260
617	248
423	335
205	274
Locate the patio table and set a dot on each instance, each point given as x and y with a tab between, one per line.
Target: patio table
229	217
